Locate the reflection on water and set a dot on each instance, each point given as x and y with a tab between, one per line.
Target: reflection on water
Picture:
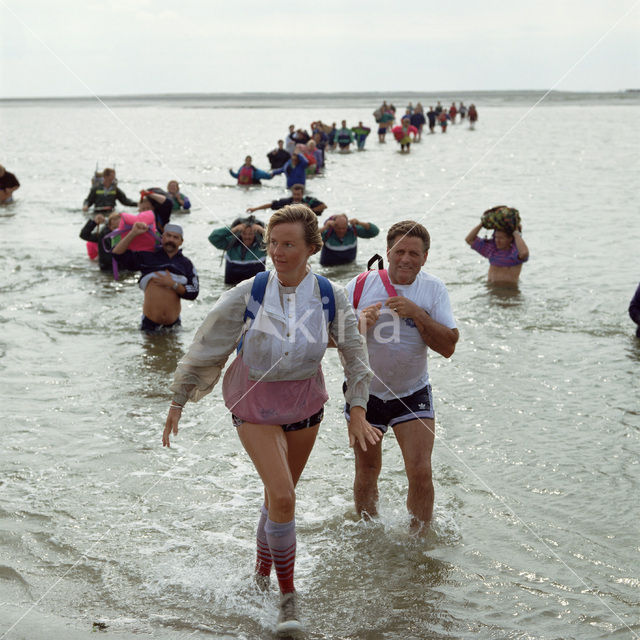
504	295
633	349
161	352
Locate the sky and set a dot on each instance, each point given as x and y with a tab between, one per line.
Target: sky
124	47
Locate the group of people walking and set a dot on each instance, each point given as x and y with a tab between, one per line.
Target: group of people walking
279	324
414	119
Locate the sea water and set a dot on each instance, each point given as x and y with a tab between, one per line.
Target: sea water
536	461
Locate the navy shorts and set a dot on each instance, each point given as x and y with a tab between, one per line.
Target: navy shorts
149	326
316	418
383	414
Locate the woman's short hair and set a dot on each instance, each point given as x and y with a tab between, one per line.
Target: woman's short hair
410	229
302	214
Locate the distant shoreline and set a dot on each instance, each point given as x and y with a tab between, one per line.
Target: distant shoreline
323	97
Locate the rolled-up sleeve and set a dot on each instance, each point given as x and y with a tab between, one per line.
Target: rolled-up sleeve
199	370
352	349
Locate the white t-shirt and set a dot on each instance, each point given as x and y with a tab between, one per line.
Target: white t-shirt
397	352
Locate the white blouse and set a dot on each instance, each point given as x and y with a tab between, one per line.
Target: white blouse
286	341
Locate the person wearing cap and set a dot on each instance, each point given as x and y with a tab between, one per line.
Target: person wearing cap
166	276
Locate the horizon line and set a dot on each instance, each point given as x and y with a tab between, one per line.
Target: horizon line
310	94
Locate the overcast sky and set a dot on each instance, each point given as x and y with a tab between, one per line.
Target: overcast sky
115	47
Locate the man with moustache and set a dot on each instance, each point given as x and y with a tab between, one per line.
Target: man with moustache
403	313
167	276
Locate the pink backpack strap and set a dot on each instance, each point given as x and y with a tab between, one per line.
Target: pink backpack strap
359	287
357	290
384	276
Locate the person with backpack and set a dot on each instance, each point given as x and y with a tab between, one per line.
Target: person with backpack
104	193
279	324
404	312
248	175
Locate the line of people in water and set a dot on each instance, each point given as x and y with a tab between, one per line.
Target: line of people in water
413	121
122	241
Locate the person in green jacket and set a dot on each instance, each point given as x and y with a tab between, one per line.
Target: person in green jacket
242	243
361	132
340	236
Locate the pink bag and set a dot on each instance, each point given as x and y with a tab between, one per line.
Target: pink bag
145	241
92	250
278	402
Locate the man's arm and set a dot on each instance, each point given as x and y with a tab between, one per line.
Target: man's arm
87	232
262	206
364	229
222	238
192	288
138	229
121	197
316	206
89	200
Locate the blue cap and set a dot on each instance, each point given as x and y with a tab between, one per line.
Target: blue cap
174	228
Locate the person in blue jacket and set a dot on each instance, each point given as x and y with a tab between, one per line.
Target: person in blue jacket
295	169
247	174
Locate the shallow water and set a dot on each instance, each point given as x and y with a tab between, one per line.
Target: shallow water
536	463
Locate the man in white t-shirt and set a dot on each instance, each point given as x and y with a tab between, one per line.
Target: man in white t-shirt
399	331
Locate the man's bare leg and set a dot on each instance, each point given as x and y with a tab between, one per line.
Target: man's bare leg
416	443
365	485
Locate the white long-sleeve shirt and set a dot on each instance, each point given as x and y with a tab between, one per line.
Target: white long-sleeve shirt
287	340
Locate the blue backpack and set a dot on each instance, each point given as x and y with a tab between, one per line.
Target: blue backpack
257	296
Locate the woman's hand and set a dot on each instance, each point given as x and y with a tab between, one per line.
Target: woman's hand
171	424
360	430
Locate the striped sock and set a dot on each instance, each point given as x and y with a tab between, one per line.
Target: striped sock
282	544
263	556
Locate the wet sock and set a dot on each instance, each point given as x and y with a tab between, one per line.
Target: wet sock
282	544
263	556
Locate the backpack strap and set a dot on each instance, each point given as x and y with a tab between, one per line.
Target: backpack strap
327	297
256	297
384	276
362	277
259	287
357	291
